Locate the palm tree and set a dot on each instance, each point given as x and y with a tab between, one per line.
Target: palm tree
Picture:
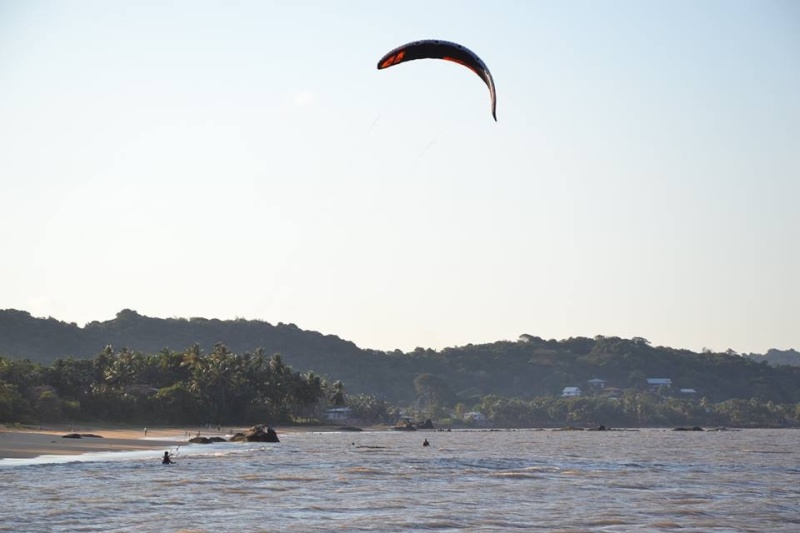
337	397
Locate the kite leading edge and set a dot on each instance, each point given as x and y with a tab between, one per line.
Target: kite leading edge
446	50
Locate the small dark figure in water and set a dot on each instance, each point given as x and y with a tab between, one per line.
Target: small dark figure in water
426	443
166	460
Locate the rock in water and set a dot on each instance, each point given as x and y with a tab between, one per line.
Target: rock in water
257	433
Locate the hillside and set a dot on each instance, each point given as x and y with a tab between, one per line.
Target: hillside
44	340
777	357
526	368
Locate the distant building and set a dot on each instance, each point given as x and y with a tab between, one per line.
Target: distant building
571	391
690	392
597	383
338	413
476	417
657	383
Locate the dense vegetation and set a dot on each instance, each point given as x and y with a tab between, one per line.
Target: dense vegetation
166	388
48	371
777	357
225	388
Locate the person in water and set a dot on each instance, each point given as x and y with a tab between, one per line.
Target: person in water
167	460
426	443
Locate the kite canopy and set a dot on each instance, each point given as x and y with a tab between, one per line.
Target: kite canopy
449	51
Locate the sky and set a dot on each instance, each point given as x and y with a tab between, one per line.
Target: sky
247	160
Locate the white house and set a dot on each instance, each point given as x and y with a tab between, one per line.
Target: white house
476	417
571	391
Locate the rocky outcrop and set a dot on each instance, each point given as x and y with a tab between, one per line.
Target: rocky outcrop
257	433
206	440
428	424
81	436
407	425
695	428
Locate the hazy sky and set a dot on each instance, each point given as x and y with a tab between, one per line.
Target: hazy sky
247	159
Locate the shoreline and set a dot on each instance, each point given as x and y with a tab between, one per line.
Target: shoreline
32	442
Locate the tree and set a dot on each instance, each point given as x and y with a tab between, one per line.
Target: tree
433	390
337	396
370	409
13	407
71	378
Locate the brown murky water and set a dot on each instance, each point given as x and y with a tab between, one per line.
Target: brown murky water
647	480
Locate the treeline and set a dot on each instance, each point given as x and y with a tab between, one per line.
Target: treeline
777	357
533	367
186	387
637	409
527	368
221	387
44	340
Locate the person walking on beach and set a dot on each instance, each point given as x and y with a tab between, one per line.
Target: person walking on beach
167	460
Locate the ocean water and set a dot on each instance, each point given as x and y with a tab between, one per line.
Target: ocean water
506	480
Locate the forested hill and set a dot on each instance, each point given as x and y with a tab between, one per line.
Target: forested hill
526	368
46	339
778	357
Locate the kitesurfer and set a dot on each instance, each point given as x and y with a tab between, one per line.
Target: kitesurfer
426	443
167	460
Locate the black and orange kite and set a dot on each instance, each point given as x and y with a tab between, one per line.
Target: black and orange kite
436	49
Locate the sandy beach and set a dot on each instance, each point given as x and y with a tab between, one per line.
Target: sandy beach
28	442
23	443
